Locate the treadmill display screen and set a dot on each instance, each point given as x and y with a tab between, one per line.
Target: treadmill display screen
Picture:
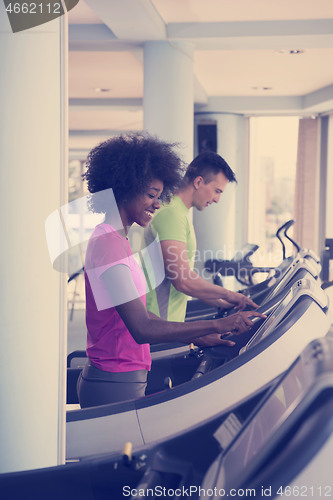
282	282
306	286
265	329
243	453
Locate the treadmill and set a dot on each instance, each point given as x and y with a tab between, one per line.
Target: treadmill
260	292
296	268
283	449
166	355
273	344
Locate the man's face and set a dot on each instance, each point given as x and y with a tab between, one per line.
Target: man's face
205	194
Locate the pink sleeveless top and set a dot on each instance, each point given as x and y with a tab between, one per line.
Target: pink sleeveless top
110	346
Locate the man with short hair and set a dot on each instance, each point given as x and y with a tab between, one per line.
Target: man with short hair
206	178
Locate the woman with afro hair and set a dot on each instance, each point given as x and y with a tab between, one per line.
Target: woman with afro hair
128	176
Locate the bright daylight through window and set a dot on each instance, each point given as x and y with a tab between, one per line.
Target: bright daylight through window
272	173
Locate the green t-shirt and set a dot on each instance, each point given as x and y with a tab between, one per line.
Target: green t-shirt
171	222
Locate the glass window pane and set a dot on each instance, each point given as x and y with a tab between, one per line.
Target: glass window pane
273	155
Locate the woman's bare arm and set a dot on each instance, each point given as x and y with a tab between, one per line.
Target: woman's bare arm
146	329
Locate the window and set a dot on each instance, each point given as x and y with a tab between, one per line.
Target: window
272	172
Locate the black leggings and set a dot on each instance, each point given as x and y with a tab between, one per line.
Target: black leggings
96	387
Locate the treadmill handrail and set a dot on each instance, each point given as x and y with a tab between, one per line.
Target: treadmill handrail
284	228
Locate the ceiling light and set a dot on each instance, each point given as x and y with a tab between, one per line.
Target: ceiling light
262	88
100	89
296	51
291	52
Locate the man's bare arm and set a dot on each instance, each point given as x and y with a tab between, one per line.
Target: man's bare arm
190	283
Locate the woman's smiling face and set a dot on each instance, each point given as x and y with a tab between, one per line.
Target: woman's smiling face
141	208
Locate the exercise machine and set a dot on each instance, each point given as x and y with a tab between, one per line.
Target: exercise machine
274	343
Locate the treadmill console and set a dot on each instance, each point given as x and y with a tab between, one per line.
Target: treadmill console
245	252
303	287
298	264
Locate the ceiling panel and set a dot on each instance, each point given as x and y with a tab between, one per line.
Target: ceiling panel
82	14
121	72
177	11
233	63
105	119
234	72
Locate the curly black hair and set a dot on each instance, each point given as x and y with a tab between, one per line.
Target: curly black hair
127	164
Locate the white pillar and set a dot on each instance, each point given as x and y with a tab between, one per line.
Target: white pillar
329	189
31	151
221	228
168	93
